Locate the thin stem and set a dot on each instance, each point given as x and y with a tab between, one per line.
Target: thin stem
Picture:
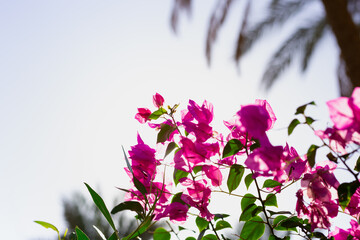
213	228
167	222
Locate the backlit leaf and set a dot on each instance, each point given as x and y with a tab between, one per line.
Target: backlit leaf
235	175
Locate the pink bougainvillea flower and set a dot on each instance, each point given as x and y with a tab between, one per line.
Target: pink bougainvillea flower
345	112
143	115
143	161
198	152
300	206
213	173
202	114
254	120
266	105
320	212
158	100
175	211
265	159
202	131
294	165
339	234
321	183
353	207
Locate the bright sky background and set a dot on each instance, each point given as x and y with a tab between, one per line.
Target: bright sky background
72	74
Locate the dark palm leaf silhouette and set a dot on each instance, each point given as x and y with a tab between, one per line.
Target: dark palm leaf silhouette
301	42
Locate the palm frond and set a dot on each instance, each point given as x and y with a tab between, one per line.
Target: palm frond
216	21
316	34
279	12
300	40
345	85
179	5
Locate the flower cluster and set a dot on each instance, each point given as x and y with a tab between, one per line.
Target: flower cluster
202	157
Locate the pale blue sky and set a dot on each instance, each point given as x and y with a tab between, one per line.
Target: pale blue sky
72	74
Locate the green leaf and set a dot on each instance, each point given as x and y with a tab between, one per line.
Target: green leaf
127	162
161	234
201	223
164	133
47	225
331	157
209	237
101	234
255	145
220	216
271	200
177	198
197	169
292	125
269	183
278	212
253	229
232	147
248	180
156	114
190	238
222	224
309	120
140	230
179	174
235	175
357	165
170	147
247	200
345	191
301	109
291	223
113	237
80	234
311	154
99	202
139	186
277	224
249	212
129	205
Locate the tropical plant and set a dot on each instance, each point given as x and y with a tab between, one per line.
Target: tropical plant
322	16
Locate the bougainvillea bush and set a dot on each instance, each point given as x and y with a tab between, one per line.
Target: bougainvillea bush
202	161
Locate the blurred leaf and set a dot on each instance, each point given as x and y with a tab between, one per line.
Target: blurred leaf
129	205
255	145
253	229
222	224
101	234
80	234
311	154
269	183
170	147
248	180
161	234
232	147
155	115
271	200
99	202
190	238
179	174
177	198
292	125
113	237
345	192
201	223
47	225
235	175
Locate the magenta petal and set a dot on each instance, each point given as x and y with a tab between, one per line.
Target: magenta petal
341	113
214	174
158	100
